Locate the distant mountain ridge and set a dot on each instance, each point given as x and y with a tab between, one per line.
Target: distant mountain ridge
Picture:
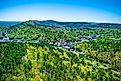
52	23
9	23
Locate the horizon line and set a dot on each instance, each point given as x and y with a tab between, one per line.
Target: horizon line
60	21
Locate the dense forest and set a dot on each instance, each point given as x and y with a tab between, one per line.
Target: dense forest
41	62
57	51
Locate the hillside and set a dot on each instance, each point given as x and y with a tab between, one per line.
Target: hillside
52	23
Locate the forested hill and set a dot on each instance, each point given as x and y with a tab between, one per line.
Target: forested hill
53	23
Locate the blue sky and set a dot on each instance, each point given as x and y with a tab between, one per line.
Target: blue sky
61	10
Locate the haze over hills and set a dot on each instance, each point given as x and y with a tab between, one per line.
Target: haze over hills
53	23
9	23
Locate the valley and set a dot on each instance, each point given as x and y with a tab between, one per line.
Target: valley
60	51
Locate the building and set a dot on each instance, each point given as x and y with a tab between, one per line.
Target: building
68	47
51	43
113	39
6	39
1	37
82	53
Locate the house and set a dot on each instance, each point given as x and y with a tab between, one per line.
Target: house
80	36
85	41
68	47
106	66
59	44
6	39
2	41
55	43
113	39
62	41
51	43
11	38
92	37
18	40
82	53
1	37
88	37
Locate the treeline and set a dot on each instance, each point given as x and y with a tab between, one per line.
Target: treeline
30	33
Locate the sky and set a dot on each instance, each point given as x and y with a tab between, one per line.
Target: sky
61	10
